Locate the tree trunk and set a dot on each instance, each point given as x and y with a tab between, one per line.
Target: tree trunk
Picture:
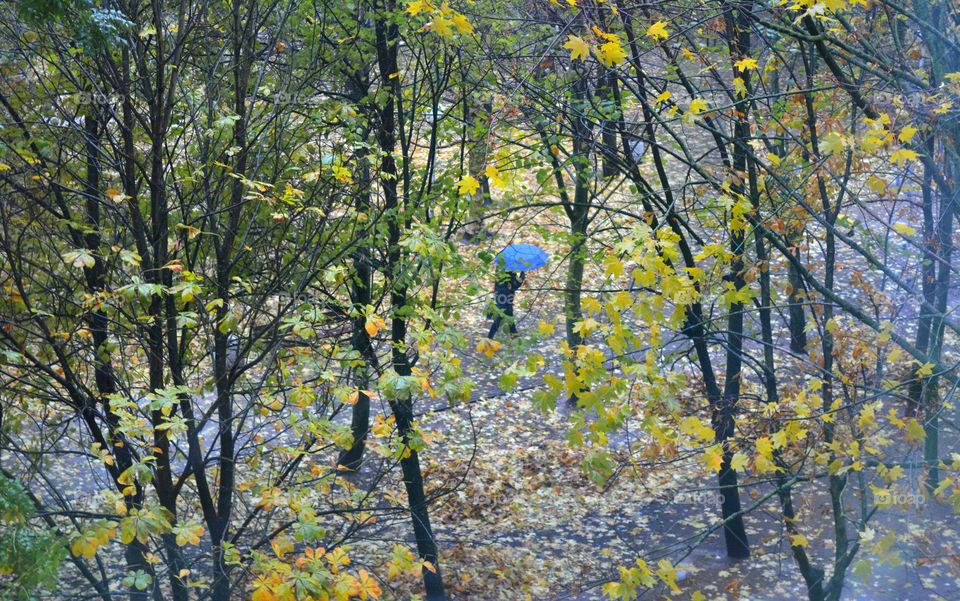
387	38
578	214
360	339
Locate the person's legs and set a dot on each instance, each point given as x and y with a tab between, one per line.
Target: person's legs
496	324
508	310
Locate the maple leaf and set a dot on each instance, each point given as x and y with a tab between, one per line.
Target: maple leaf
739	461
903	155
697	106
418	6
713	458
115	195
668	574
739	87
746	64
462	25
764	447
907	134
905	229
612	265
468	185
586	326
488	347
658	31
925	370
610	37
493	175
833	142
578	48
442	26
798	540
611	53
342	174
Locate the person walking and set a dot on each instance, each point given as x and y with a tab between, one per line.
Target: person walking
505	285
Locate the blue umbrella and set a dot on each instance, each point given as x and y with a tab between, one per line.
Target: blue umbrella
521	257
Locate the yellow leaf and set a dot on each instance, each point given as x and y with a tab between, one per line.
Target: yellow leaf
468	185
115	195
668	574
902	155
877	185
658	31
342	174
610	37
611	53
739	461
746	64
263	592
591	305
586	326
622	300
546	328
578	48
833	142
493	175
697	106
904	229
488	347
692	426
798	540
713	458
612	265
907	134
764	447
663	97
367	587
915	431
442	26
418	6
462	25
739	87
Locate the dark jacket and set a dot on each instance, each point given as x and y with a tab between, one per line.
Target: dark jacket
505	285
